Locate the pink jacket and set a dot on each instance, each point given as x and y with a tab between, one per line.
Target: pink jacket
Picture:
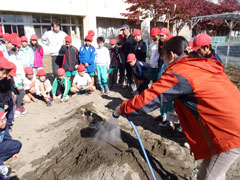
38	58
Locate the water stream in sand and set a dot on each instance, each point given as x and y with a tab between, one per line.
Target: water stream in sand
109	131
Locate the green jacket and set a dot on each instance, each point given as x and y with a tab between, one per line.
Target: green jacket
66	83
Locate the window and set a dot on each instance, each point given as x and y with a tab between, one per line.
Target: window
75	32
8	17
46	19
14	29
15	22
56	18
66	29
66	19
8	29
36	18
37	30
81	32
74	20
19	17
21	31
45	28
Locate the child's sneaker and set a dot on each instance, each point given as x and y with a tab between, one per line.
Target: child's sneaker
102	91
121	85
49	103
88	94
18	113
107	91
166	124
23	110
59	96
5	171
75	94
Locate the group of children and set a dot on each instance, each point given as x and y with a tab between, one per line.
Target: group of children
23	79
79	68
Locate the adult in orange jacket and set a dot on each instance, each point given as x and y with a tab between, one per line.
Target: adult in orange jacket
207	104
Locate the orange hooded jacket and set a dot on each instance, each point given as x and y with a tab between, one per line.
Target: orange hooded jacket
206	101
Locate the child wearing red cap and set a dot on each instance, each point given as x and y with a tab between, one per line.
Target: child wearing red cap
155	35
70	58
82	83
8	147
43	87
94	42
18	89
141	47
167	107
6	97
3	47
38	53
5	84
164	33
29	85
140	72
114	55
26	53
87	55
4	67
202	45
61	86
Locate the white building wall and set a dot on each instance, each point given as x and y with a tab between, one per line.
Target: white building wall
185	32
99	8
73	7
89	9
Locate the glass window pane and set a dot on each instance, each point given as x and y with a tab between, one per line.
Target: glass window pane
66	19
19	17
81	32
36	18
37	30
56	18
76	20
72	20
75	32
46	19
7	29
14	28
8	17
45	28
21	31
66	29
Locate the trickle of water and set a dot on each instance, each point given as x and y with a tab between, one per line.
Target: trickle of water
109	130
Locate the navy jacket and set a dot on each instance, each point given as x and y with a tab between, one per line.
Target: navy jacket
5	87
4	135
215	56
128	45
140	50
141	70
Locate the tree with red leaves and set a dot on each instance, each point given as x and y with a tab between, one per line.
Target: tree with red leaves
217	25
164	11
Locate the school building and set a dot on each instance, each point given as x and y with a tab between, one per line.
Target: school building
77	17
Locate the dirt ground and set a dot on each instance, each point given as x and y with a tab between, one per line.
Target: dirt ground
78	140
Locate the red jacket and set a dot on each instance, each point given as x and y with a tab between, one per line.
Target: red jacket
206	101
